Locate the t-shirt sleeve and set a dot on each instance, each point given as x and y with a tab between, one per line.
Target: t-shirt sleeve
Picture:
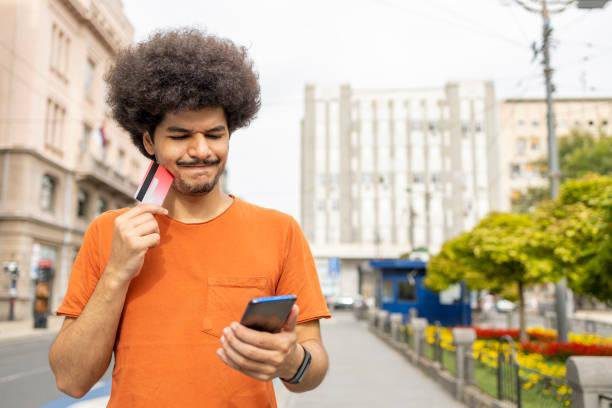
85	274
299	277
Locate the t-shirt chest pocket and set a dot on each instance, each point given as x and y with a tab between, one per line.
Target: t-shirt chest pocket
227	299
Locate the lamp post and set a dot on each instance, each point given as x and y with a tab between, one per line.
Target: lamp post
545	8
12	269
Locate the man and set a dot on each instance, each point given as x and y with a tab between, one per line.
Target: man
165	287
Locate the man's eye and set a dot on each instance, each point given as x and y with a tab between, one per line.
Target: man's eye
215	136
177	137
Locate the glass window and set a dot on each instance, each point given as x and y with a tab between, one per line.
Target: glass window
90	69
101	206
86	138
387	295
83	203
521	146
47	196
120	160
407	291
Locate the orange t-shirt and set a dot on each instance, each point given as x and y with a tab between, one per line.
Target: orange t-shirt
192	285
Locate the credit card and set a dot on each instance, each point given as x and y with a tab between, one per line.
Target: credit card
155	185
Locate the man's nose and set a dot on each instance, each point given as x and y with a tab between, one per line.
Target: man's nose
198	146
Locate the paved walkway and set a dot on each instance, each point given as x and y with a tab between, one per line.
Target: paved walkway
22	329
366	372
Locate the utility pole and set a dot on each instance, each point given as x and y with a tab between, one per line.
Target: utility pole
553	155
553	165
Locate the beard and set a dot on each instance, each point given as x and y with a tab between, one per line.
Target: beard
190	188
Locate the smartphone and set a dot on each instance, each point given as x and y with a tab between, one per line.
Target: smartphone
268	314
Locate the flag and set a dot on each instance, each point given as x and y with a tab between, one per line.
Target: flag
103	139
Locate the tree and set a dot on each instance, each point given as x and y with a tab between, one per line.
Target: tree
580	153
574	234
495	255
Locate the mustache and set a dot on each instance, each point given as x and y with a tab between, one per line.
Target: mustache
201	163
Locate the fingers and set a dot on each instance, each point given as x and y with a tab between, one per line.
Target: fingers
256	338
140	219
258	376
257	354
150	240
141	209
292	319
244	363
150	227
250	352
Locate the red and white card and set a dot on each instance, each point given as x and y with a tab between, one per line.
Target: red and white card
155	185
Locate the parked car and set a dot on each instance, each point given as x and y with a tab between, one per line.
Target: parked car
341	302
505	306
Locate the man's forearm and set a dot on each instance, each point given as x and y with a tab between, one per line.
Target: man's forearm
317	370
81	354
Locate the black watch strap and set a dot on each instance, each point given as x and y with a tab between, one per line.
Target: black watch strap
302	370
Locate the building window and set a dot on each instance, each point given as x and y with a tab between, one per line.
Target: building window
120	161
535	144
101	206
85	138
54	126
90	70
406	291
515	170
83	204
387	293
60	52
521	146
47	193
535	123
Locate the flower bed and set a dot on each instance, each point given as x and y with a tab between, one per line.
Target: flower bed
553	349
541	360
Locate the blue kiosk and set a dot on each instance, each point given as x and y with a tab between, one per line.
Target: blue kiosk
401	287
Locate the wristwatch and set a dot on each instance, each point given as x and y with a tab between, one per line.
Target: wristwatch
302	370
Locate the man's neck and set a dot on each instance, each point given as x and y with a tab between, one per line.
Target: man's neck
191	209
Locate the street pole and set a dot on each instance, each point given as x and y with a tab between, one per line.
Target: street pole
553	155
12	269
553	165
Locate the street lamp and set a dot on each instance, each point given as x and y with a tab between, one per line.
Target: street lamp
591	4
12	269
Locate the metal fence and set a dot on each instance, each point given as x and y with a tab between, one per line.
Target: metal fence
503	378
495	371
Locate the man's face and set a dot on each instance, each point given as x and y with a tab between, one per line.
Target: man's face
193	146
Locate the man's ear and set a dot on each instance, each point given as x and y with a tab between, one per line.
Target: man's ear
148	143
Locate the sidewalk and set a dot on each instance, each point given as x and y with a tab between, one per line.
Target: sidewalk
600	316
366	372
25	328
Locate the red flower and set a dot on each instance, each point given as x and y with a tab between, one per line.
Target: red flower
494	334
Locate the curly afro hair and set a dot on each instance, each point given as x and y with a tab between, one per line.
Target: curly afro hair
183	69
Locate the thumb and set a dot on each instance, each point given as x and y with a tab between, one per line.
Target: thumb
292	319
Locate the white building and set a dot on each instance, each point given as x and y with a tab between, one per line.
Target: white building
63	160
387	171
523	133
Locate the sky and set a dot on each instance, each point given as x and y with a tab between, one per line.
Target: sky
377	44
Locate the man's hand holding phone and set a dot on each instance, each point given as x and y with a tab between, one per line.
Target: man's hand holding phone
262	355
